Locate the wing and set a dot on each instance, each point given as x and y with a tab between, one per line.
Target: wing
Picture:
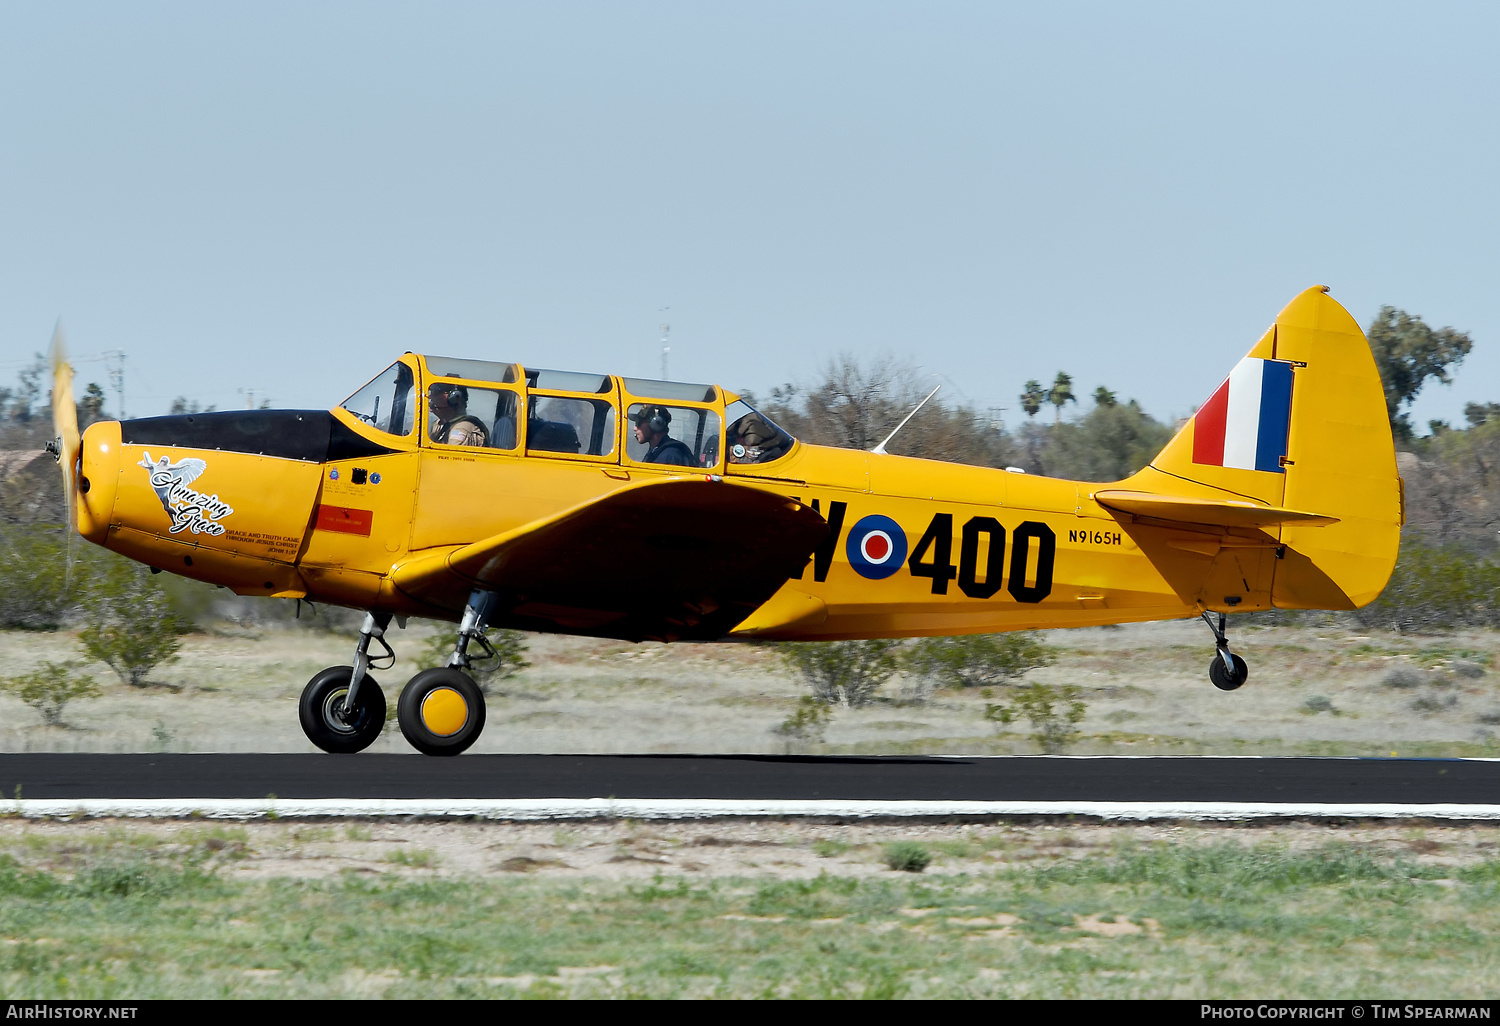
662	560
189	470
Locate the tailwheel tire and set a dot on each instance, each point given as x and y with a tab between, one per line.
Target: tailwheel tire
322	712
441	711
1228	681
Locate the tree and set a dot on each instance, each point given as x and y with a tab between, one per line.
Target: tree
843	672
49	688
1481	413
1408	352
1109	444
1061	392
858	403
1104	397
91	406
130	625
977	660
1033	397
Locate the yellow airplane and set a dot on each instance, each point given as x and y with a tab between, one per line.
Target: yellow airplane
495	495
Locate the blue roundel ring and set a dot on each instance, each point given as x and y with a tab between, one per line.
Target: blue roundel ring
876	547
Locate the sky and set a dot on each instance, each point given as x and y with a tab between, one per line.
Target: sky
279	199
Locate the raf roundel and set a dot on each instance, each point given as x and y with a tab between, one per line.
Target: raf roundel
876	547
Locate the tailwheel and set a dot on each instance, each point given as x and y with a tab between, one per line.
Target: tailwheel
1225	679
329	725
441	711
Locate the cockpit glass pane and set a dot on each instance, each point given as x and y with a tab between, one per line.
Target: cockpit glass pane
649	388
386	403
472	370
753	437
683	436
574	426
567	381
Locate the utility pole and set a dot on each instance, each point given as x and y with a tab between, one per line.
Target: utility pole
114	362
666	330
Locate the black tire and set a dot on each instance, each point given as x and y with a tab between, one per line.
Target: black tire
432	721
1228	681
321	711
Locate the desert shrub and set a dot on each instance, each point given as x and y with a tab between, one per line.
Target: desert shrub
509	658
34	591
808	721
1434	589
1318	704
843	672
977	660
130	624
1403	678
907	856
50	687
1054	711
1465	668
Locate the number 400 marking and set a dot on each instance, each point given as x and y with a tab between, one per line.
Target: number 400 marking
937	543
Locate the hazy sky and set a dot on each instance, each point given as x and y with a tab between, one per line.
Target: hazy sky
285	197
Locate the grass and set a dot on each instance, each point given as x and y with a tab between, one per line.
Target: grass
119	920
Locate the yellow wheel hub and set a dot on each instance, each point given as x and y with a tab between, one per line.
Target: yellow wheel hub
444	712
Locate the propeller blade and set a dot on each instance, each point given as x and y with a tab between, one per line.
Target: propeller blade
65	425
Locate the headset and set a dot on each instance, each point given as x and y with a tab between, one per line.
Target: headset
656	418
454	395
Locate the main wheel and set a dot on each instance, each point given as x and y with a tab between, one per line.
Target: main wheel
441	711
322	712
1228	681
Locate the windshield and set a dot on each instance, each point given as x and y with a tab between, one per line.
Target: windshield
386	403
754	437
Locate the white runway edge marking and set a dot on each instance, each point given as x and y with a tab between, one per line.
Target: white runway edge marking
531	809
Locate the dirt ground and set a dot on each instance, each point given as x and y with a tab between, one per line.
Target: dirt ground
636	851
1325	691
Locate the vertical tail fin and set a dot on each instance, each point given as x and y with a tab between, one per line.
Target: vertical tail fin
1301	424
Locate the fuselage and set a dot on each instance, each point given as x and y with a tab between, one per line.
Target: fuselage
328	505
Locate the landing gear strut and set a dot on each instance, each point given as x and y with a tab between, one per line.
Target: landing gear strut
342	708
441	711
1228	671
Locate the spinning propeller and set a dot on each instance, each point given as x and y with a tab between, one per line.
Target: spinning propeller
65	428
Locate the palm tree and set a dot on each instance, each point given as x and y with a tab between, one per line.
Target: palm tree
1033	397
1061	392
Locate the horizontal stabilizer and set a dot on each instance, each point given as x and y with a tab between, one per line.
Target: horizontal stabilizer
1181	509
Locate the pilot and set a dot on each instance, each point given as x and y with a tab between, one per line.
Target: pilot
754	440
651	424
452	424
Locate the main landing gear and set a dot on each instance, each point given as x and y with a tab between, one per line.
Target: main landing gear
1228	671
440	711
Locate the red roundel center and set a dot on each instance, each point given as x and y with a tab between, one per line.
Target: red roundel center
877	547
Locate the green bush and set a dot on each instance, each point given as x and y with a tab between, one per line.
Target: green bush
129	621
907	857
977	660
808	721
1054	712
49	688
1434	589
843	672
509	659
34	578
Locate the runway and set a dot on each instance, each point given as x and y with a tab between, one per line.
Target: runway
685	786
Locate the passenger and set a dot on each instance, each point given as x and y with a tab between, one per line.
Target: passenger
452	424
651	424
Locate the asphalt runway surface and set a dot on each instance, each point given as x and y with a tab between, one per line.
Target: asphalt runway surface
745	777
